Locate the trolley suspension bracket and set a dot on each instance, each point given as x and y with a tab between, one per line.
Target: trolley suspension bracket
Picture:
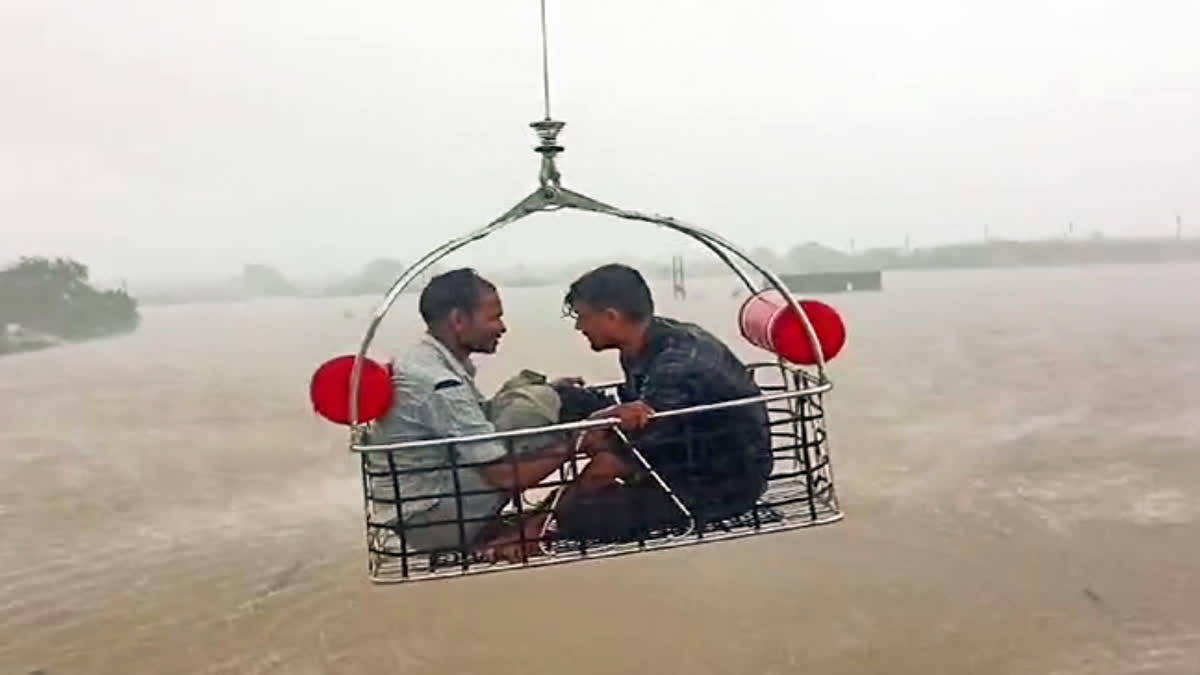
553	198
547	131
551	195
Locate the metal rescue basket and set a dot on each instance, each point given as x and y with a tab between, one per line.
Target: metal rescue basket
800	489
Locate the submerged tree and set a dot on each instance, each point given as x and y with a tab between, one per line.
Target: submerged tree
55	297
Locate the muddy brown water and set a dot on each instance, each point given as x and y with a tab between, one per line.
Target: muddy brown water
1018	454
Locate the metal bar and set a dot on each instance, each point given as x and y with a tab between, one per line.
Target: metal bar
803	451
458	506
662	484
391	460
516	496
826	460
599	423
616	551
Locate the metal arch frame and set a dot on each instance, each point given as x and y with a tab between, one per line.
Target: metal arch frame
551	196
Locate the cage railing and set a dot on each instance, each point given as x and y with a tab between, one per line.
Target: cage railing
799	491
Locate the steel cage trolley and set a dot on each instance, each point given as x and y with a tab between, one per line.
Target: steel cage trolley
798	482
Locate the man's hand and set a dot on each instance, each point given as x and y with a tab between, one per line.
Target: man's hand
634	416
595	441
508	547
567	382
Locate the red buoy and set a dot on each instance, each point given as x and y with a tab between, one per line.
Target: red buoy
768	321
330	390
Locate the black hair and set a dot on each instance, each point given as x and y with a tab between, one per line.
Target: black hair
613	286
457	289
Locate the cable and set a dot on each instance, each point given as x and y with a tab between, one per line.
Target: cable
545	62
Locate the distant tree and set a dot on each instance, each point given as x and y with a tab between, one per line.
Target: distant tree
378	275
765	256
54	296
265	280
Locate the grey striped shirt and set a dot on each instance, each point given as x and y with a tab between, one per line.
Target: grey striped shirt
435	397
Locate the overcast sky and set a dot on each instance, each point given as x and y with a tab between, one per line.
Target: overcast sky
162	140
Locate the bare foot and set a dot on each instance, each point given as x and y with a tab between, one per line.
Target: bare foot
509	547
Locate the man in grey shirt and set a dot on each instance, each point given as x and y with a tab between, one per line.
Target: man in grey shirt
461	488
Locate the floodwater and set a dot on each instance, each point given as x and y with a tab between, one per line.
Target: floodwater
1018	453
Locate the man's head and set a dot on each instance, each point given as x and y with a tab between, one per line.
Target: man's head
611	305
462	309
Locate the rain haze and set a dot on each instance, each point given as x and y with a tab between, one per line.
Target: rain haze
314	136
1013	426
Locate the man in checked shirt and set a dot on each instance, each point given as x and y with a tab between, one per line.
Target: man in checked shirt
716	462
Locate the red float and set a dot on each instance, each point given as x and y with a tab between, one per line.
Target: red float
330	390
768	321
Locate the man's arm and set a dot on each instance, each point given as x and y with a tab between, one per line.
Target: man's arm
670	384
515	476
465	417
